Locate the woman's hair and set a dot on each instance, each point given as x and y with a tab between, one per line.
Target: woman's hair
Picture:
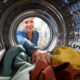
26	18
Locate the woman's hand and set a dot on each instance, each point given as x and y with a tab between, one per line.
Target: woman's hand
38	54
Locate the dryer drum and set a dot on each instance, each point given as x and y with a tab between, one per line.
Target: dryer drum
52	14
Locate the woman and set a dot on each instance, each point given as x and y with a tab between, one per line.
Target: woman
28	38
28	32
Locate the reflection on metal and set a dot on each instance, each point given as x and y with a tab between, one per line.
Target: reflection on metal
4	1
0	46
2	51
62	34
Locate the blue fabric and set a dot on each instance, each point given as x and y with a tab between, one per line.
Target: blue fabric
23	39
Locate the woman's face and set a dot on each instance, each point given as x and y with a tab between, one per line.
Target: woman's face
28	24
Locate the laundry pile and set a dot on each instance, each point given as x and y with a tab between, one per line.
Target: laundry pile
16	65
54	72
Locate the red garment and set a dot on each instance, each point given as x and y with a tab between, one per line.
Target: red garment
54	72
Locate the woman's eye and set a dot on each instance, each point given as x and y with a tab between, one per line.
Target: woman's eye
31	21
26	22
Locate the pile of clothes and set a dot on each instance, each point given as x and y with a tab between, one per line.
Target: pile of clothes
54	72
65	66
16	65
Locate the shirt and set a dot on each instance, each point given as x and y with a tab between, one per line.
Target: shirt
23	39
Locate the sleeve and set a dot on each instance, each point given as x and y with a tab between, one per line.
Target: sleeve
37	34
26	43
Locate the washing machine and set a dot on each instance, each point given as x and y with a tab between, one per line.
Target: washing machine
61	16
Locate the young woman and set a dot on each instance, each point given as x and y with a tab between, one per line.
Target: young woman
28	38
28	32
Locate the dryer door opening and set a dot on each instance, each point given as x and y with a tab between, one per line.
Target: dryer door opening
60	27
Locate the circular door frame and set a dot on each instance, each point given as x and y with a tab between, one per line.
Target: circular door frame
52	8
35	13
